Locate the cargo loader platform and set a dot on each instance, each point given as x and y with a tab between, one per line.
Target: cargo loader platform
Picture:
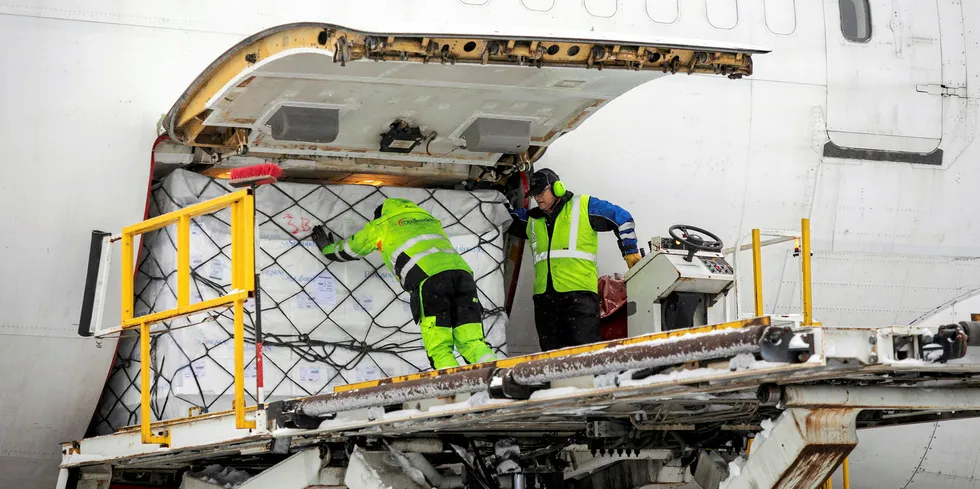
682	392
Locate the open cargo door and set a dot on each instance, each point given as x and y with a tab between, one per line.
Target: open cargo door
348	99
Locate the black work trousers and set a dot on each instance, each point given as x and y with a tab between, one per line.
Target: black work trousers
566	319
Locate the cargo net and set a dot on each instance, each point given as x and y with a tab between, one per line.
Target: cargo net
324	323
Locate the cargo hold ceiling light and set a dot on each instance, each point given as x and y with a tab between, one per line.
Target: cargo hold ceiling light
491	135
305	124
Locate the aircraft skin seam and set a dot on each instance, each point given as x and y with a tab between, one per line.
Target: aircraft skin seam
924	453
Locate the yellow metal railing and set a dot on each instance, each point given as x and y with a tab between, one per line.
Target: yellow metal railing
242	206
807	278
807	286
757	270
756	246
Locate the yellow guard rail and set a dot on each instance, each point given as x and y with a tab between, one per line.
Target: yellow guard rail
242	205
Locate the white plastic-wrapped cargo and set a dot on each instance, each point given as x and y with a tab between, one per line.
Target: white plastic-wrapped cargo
324	323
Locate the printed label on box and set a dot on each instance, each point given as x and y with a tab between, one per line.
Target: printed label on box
367	372
217	269
309	374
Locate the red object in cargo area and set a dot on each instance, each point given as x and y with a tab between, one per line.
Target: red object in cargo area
612	314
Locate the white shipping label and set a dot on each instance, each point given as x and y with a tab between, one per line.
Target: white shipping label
200	370
325	291
217	269
309	374
367	372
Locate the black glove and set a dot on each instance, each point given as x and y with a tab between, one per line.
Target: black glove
321	237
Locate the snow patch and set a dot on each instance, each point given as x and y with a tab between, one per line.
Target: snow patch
483	399
742	361
78	458
556	392
767	425
359	472
342	421
734	470
908	362
675	375
410	470
476	400
798	343
402	414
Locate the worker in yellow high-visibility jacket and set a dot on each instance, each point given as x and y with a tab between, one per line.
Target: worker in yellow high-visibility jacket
442	291
563	230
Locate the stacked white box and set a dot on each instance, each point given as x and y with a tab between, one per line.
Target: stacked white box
324	323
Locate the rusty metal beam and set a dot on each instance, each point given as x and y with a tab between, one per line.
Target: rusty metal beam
416	390
802	450
664	352
566	352
645	355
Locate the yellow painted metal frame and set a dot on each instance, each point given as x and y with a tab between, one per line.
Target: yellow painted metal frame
242	206
807	275
806	271
757	269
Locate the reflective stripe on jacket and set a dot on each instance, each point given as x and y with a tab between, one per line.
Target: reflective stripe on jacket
569	254
412	243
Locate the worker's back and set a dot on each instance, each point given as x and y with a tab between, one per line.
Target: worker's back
409	238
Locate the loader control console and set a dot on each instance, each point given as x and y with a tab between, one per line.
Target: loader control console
678	283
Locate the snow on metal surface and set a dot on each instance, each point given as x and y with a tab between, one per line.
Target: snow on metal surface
476	400
767	425
734	470
412	472
394	395
556	392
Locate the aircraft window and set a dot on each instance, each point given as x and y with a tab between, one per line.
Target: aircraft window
855	20
781	16
662	11
538	5
722	14
600	8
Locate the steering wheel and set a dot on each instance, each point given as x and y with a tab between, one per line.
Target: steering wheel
694	241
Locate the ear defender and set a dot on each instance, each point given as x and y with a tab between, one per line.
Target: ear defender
558	188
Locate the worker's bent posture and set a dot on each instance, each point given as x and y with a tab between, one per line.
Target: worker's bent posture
443	294
563	230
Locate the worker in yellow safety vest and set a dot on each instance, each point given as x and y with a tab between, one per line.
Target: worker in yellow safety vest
563	230
440	283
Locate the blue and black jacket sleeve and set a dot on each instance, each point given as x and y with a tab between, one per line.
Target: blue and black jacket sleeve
518	224
606	216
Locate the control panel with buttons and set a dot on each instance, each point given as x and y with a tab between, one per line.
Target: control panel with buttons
716	265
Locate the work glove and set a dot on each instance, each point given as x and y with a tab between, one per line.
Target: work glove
321	237
632	259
